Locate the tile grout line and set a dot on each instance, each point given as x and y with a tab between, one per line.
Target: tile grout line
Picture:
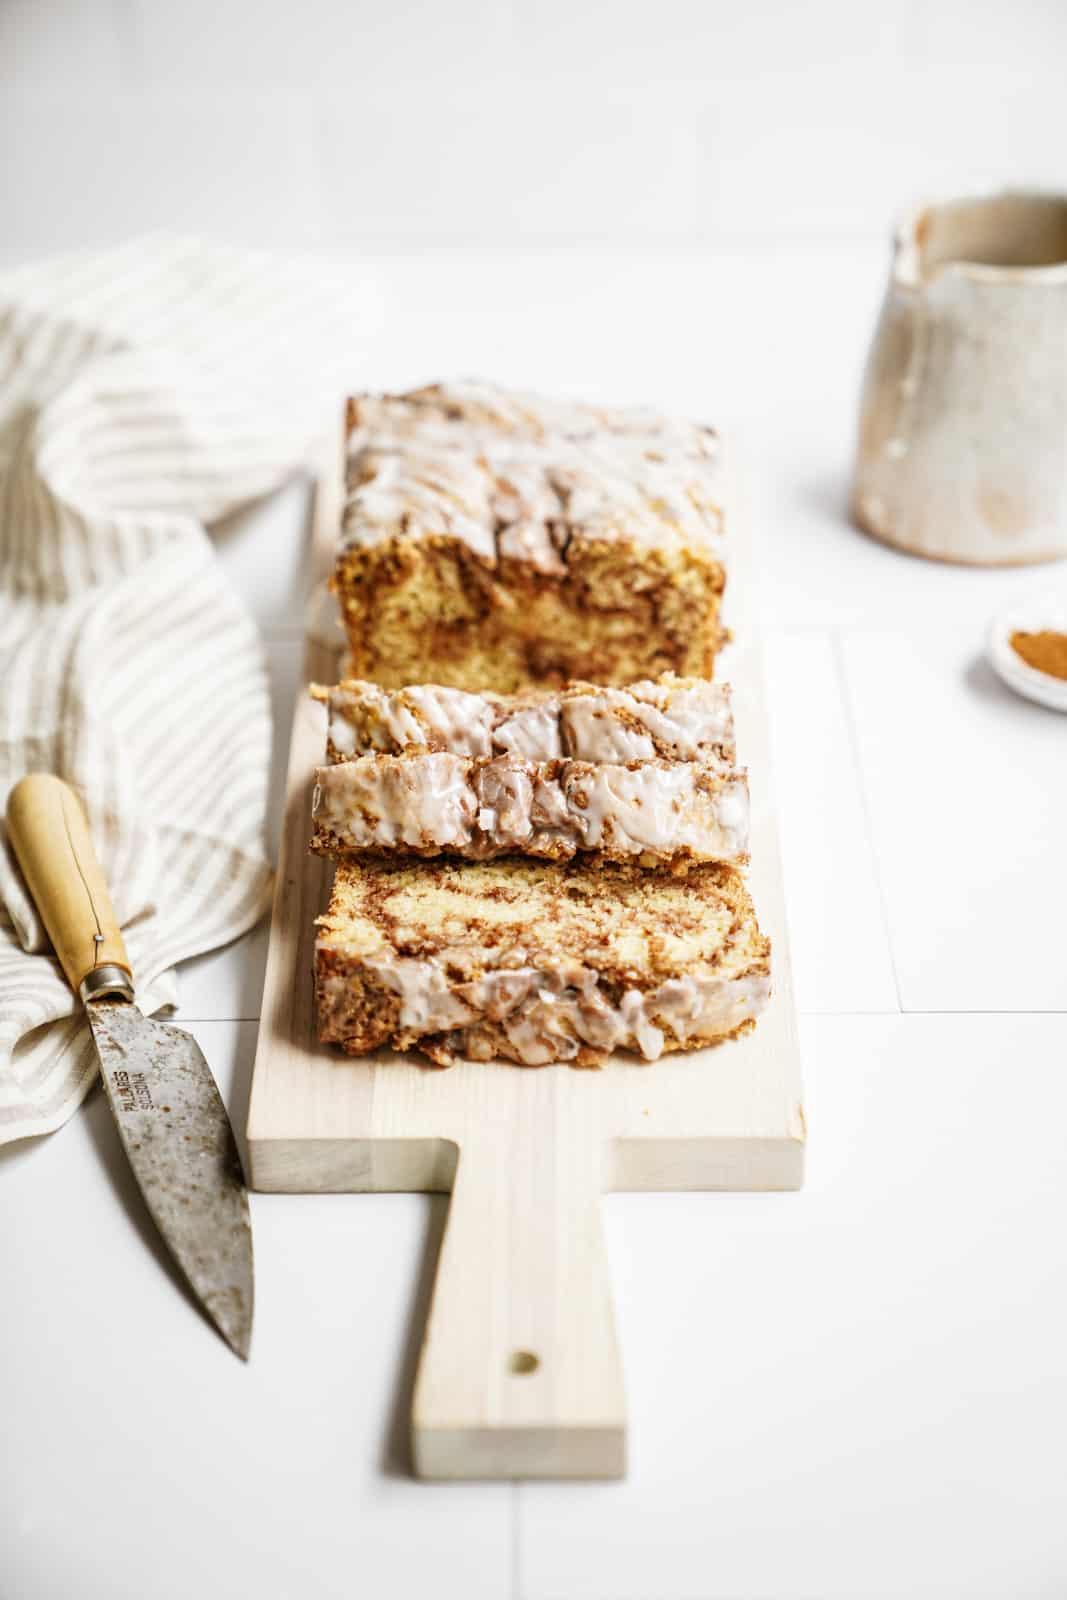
180	1018
868	826
859	627
945	1011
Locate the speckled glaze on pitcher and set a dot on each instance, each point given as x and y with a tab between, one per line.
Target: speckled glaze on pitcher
962	450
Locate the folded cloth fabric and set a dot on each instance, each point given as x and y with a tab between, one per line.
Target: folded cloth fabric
143	393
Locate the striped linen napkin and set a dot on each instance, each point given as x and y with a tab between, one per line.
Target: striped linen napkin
143	393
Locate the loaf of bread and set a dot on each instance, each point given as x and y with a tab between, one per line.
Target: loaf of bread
536	962
493	540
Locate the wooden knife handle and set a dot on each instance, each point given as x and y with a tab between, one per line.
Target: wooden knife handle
50	836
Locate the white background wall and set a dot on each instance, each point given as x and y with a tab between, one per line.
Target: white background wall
514	123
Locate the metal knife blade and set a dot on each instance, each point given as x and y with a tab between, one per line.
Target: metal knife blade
170	1114
178	1138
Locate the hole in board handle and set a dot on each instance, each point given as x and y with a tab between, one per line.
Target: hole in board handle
523	1362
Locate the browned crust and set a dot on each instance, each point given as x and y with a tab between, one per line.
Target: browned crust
372	1023
370	1016
444	1050
676	865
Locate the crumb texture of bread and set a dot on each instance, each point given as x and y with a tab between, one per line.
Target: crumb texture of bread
493	540
536	962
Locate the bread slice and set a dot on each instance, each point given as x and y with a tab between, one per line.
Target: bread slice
498	540
641	773
536	962
432	803
672	718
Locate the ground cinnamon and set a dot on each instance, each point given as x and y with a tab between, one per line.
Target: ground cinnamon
1046	651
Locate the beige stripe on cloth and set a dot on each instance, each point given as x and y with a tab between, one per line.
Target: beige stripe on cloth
143	394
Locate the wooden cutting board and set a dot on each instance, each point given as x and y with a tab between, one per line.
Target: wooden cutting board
519	1375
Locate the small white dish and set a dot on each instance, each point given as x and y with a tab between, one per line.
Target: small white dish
1035	617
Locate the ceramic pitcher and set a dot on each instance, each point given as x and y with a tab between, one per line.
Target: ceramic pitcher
963	427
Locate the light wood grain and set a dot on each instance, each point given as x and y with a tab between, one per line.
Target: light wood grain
50	836
520	1375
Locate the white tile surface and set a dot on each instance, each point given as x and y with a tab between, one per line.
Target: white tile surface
228	983
841	954
862	1389
263	552
967	789
142	1460
225	983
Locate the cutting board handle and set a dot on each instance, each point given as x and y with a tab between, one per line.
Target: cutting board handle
50	836
520	1373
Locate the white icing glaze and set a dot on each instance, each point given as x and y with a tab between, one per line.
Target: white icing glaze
428	1002
732	809
342	733
531	542
531	733
385	801
437	801
457	721
679	721
400	727
592	733
364	717
425	490
505	473
658	808
676	720
637	1011
547	1015
474	403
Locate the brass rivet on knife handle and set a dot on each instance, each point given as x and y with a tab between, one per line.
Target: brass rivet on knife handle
50	837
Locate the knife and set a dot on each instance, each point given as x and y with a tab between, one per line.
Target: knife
170	1116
